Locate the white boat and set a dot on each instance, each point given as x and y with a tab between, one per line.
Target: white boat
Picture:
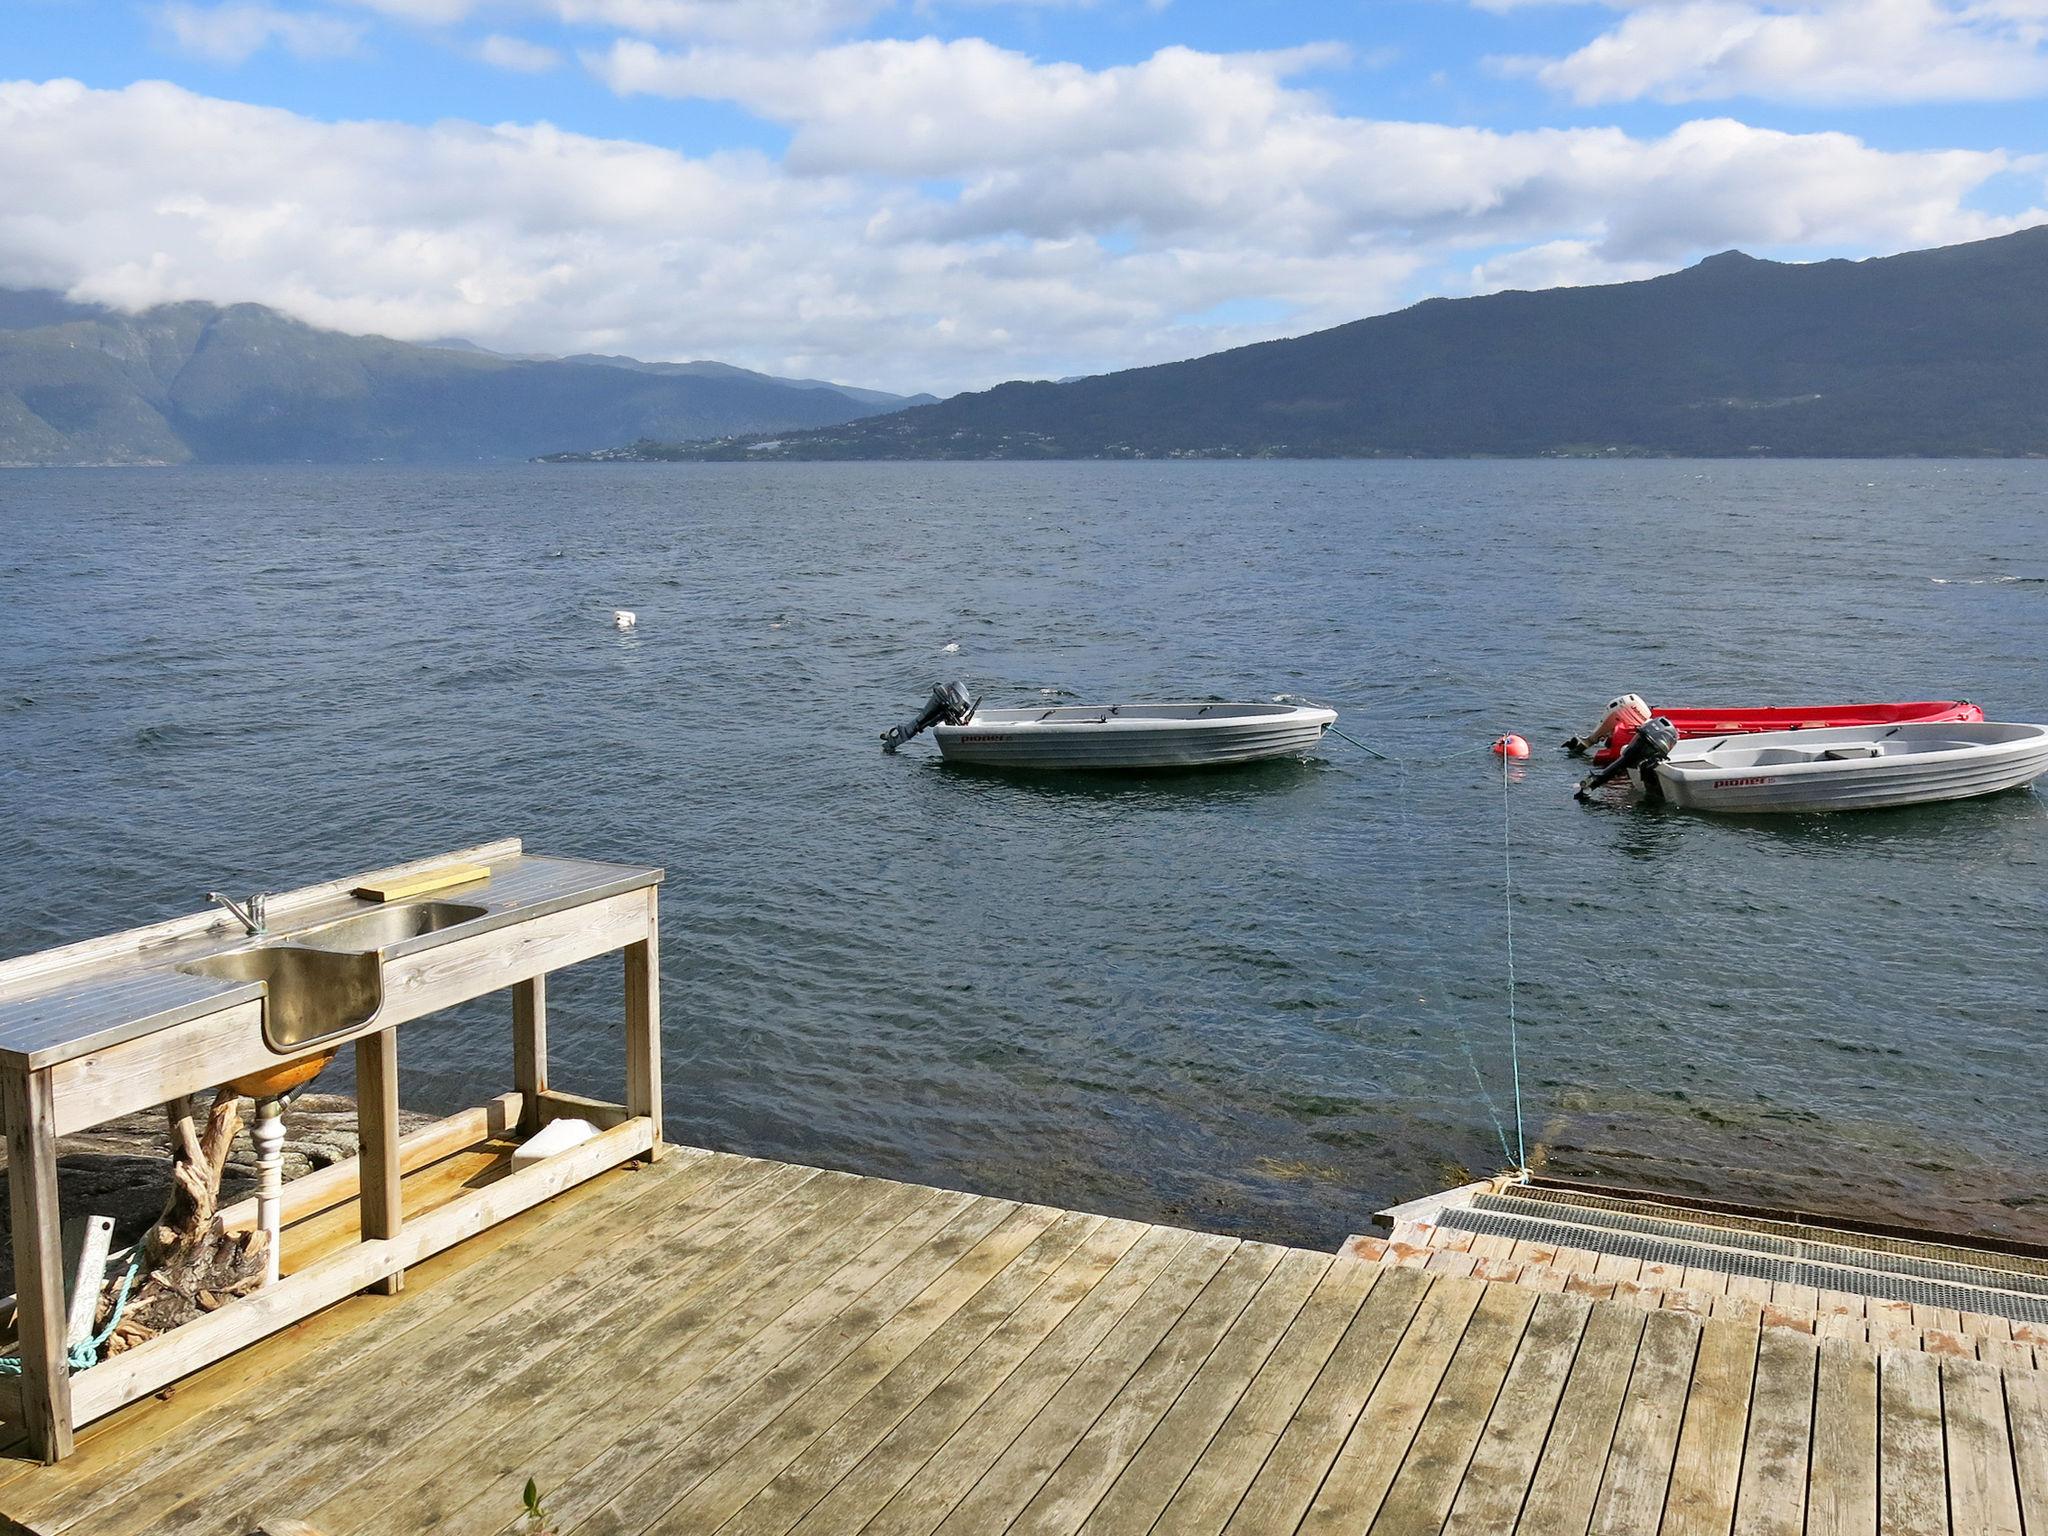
1191	735
1848	768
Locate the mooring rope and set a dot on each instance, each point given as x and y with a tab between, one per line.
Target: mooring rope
1518	1156
86	1352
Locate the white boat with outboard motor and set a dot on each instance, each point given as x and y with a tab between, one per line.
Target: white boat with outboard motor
1067	736
1840	768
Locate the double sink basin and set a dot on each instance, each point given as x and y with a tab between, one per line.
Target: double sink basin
328	980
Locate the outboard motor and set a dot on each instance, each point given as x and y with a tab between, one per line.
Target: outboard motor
949	704
1650	745
1628	710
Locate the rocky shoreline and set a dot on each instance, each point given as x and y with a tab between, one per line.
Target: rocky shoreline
122	1169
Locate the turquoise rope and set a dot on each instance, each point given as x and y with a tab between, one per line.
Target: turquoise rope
85	1354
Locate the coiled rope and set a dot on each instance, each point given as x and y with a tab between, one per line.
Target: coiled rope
86	1352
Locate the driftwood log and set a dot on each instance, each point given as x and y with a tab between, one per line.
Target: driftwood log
191	1263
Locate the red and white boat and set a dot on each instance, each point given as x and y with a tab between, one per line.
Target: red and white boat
1627	713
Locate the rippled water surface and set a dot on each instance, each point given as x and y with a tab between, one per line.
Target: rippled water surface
1264	1001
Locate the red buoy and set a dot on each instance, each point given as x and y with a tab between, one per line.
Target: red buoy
1511	746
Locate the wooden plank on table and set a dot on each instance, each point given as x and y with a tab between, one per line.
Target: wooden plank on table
120	1451
1149	1480
774	1424
1638	1472
1281	1492
547	1411
1065	1474
1842	1495
981	1476
1011	1369
633	1469
1708	1465
1912	1456
1982	1494
412	1382
1771	1497
1567	1475
938	1381
1489	1499
1419	1498
1372	1454
424	882
2026	1410
1210	1492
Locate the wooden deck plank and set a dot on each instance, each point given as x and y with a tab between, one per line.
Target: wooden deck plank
1026	1302
1281	1492
1567	1475
1638	1472
1771	1497
1495	1483
989	1467
1420	1496
1373	1452
1982	1494
1214	1485
1842	1494
533	1415
648	1459
413	1395
1708	1465
1078	1314
1032	1240
497	1295
2026	1408
1912	1458
1150	1479
1069	1483
117	1451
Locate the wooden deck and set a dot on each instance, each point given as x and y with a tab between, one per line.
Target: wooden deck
725	1344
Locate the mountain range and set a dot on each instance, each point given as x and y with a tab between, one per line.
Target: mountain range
1936	352
196	382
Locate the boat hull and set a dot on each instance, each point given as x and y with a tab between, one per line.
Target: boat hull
1134	737
1787	771
1693	723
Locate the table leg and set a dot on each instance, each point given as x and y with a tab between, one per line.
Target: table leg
377	1119
643	1029
530	1049
25	1101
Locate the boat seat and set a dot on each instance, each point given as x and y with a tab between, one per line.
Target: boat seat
1773	756
1845	754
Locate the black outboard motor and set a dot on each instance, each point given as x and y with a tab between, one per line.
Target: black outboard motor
1650	745
949	703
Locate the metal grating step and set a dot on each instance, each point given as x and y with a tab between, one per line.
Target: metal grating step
1575	1201
1605	1220
1776	1270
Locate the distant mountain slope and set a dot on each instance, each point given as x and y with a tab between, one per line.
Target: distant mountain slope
245	384
1935	352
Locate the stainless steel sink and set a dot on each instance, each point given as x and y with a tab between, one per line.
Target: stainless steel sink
313	993
382	927
329	980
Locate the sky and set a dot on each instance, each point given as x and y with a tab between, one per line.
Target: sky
943	194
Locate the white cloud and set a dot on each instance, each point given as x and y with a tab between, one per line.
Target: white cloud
517	54
229	34
1813	51
1093	219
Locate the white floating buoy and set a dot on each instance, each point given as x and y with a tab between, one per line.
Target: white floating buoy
951	648
624	618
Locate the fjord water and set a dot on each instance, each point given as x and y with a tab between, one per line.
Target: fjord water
1264	1001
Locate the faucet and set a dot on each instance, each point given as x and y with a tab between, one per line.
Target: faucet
250	917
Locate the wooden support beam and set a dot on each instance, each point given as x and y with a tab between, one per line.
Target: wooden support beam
643	1025
556	1105
530	1049
25	1103
383	1212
